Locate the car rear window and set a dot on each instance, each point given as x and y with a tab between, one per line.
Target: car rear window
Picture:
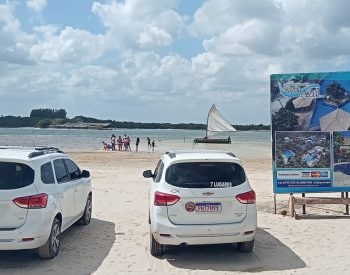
15	175
205	175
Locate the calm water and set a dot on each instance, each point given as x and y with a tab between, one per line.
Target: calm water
69	139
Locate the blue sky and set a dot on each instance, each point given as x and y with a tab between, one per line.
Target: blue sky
162	61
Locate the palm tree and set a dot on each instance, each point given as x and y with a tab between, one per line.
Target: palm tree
275	94
336	90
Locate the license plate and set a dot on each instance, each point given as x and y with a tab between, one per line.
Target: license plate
208	207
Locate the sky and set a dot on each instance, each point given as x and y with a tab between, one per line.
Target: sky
163	61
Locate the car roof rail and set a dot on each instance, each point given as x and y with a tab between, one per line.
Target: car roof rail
171	154
48	148
40	151
230	154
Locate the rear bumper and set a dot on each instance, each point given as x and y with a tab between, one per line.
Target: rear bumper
37	226
18	244
204	234
201	239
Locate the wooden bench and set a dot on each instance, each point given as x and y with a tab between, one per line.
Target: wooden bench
313	200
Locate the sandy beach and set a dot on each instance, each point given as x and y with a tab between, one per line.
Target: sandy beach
117	240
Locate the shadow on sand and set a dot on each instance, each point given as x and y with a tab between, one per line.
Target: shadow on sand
82	251
269	254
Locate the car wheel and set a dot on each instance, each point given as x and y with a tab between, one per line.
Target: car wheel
156	248
50	249
86	218
246	246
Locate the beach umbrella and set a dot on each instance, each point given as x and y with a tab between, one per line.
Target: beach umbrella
302	102
337	120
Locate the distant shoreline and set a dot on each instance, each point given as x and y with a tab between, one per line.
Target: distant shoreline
20	122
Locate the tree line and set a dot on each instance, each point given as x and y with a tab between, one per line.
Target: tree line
48	113
44	118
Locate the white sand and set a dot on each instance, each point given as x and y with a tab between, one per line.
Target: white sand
117	240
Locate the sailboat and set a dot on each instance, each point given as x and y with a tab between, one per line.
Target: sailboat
216	123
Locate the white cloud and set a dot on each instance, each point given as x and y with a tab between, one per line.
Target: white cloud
250	37
46	32
37	5
139	24
316	31
216	16
153	36
207	64
159	81
70	45
15	43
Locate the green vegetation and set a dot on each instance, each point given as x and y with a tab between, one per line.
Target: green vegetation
284	120
290	105
58	121
48	113
275	93
336	92
43	123
44	118
17	121
341	147
252	127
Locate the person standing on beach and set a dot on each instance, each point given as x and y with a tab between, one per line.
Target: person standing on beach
137	144
113	142
153	145
148	142
128	142
120	143
125	141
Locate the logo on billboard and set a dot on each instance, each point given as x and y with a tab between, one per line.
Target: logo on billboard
319	174
292	89
315	174
305	174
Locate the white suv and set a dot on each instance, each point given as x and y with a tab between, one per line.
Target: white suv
42	193
200	197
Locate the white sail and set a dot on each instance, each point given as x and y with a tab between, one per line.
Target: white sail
217	123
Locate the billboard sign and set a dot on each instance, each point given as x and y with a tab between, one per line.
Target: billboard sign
310	121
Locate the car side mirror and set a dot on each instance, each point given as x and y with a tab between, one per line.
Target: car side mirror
147	174
85	174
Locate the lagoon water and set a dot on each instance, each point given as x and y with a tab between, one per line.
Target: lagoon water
244	143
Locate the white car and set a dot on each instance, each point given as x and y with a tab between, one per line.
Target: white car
42	193
200	197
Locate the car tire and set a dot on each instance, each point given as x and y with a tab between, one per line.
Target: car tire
246	246
86	218
51	248
156	248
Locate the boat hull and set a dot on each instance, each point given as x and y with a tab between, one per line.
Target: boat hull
212	140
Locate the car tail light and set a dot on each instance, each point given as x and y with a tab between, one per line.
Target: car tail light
247	198
163	199
32	202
